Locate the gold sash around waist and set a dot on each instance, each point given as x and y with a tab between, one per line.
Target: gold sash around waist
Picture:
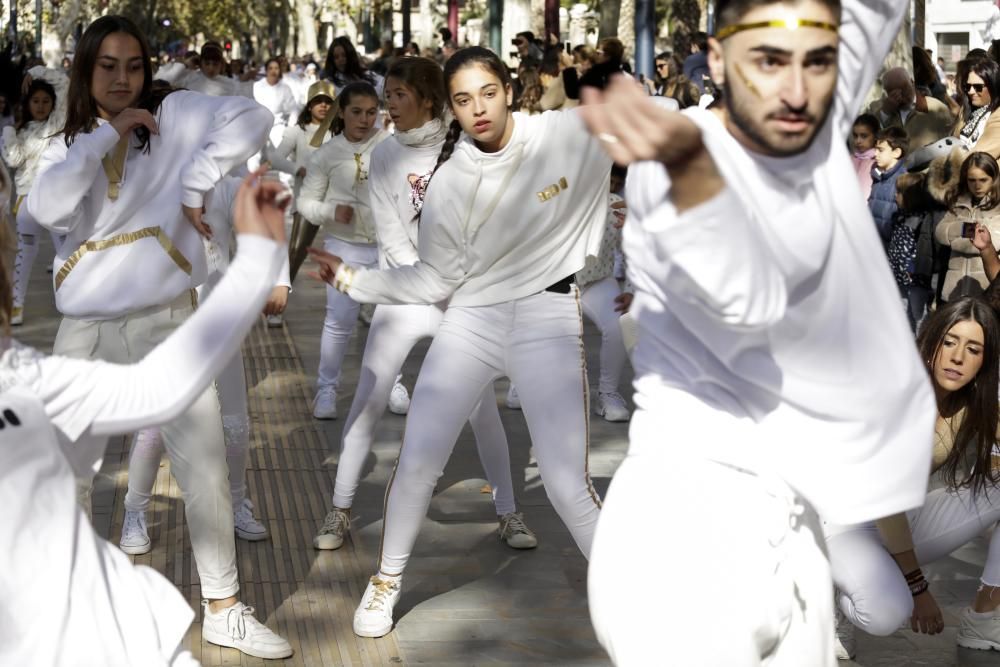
124	239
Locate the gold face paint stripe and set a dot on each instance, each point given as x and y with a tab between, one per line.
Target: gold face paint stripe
747	82
788	24
124	239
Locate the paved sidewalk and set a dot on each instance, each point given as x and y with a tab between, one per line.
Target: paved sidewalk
468	599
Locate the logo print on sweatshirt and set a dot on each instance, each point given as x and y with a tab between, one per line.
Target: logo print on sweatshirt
418	189
554	189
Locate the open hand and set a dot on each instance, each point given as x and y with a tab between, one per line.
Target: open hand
328	265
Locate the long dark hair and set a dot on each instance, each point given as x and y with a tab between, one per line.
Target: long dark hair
81	109
989	165
978	430
987	70
350	91
424	76
37	85
353	70
305	116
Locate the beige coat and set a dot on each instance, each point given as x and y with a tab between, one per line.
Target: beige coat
922	127
966	275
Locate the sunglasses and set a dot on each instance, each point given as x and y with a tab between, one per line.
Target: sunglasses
978	87
661	65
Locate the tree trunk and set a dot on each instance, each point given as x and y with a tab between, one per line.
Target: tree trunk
610	11
685	20
538	18
626	27
307	26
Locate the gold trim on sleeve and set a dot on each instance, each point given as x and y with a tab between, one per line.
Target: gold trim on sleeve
788	24
124	239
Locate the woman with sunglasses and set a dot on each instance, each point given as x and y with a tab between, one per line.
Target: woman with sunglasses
979	95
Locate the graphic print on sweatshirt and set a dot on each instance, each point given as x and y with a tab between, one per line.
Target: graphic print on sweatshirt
418	188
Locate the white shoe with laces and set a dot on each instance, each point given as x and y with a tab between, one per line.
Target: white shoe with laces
237	628
513	400
515	533
246	525
399	399
335	526
612	407
844	643
135	536
373	617
325	403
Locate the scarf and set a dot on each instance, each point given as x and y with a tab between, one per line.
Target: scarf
428	134
971	129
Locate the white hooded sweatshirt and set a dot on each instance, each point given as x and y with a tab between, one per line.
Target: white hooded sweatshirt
501	226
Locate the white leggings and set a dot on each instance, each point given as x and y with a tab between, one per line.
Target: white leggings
873	592
28	232
537	342
393	333
341	311
598	301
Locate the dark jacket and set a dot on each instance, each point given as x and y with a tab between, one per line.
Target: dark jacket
695	68
882	201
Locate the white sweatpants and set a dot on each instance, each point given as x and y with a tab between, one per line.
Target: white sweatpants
393	333
28	232
873	592
537	342
341	311
194	441
749	585
599	306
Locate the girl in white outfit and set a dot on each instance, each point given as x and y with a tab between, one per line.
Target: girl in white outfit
504	228
310	131
876	565
131	172
42	115
58	412
275	95
400	170
335	197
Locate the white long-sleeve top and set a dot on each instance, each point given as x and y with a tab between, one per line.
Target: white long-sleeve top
397	182
773	302
23	149
337	174
295	148
178	75
140	250
502	226
278	99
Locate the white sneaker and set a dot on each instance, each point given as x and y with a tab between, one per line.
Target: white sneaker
612	407
979	631
399	399
516	533
325	403
513	400
135	536
247	526
373	617
236	628
275	321
844	643
17	316
335	526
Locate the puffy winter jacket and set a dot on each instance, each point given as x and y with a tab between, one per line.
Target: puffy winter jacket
966	275
882	200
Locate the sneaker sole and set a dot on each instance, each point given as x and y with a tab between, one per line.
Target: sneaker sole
375	634
321	546
251	537
222	640
602	413
977	644
520	547
136	551
324	417
397	411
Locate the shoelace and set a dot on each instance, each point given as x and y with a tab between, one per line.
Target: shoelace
239	627
383	589
335	522
514	524
132	522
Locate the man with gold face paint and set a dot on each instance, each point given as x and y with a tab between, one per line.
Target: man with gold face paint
774	382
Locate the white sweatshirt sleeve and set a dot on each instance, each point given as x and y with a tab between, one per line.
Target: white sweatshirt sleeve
393	241
70	172
238	129
867	30
312	204
14	153
713	258
279	156
111	398
173	73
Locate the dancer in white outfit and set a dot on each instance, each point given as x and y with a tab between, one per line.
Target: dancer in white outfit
311	130
209	79
42	115
400	170
876	566
125	273
335	197
277	98
503	230
770	374
57	414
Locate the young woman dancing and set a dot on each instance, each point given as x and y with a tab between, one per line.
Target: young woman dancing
132	169
400	170
503	230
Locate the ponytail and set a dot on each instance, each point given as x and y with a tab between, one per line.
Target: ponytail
450	139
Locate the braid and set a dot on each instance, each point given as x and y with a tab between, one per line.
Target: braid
450	139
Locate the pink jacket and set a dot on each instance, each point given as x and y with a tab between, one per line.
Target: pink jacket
863	163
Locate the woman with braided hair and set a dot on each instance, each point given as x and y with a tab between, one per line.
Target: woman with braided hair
397	181
503	230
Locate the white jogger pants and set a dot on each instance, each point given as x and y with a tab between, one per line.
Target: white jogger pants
537	342
598	301
393	333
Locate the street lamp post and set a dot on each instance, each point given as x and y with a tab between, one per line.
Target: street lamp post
645	27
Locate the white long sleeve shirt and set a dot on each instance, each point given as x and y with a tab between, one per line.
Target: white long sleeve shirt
140	251
773	303
397	183
23	149
278	99
295	148
501	226
180	76
337	174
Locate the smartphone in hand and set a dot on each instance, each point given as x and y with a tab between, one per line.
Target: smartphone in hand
968	230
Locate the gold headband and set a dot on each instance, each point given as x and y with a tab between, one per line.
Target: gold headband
788	24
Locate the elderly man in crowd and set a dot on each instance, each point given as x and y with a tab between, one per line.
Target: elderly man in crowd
925	119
